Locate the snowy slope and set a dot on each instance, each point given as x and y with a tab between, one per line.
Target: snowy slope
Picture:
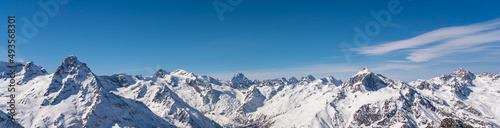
73	96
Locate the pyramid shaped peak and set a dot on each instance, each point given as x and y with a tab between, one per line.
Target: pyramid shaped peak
330	77
310	77
461	71
239	80
293	80
364	71
463	75
72	65
71	60
161	73
239	76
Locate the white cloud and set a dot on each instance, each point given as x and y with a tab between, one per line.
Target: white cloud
431	37
460	45
446	41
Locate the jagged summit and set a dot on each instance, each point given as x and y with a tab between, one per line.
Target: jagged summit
30	70
239	74
240	81
365	80
463	74
71	60
29	66
364	71
331	79
161	73
293	80
308	78
72	65
238	77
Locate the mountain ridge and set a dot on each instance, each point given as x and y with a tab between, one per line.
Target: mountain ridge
182	99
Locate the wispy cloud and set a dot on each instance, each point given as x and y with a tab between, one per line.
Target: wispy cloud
441	34
460	45
391	66
452	38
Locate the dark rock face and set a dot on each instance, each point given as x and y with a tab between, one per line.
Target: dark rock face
424	85
253	100
239	81
6	122
32	70
369	82
450	123
293	80
384	113
464	75
307	79
161	73
273	82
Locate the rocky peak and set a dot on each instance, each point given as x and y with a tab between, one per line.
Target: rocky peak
332	80
364	71
491	76
240	81
161	73
72	77
72	65
464	75
293	80
282	79
460	76
34	69
122	79
208	79
30	70
365	80
308	78
485	74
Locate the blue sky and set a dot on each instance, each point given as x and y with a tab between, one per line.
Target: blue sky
262	39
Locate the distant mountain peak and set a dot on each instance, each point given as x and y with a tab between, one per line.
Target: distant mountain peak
365	80
293	80
180	72
331	79
30	70
364	70
71	60
239	80
308	78
461	74
72	77
239	74
72	65
161	73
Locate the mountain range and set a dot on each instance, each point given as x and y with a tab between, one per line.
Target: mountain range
73	96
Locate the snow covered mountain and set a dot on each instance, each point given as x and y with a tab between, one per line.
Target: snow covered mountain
74	96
